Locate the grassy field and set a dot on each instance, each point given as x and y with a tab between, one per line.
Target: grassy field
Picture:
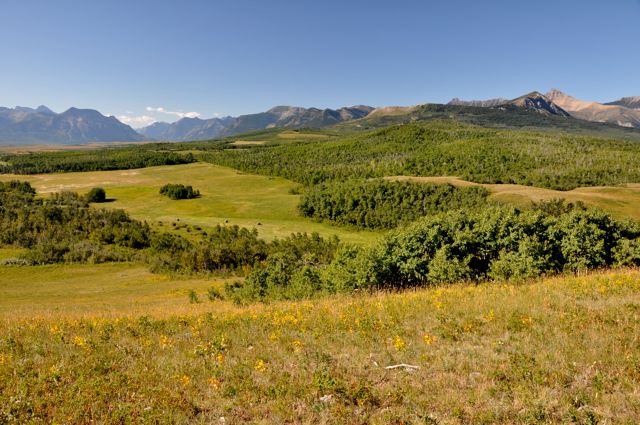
621	202
228	197
91	290
557	350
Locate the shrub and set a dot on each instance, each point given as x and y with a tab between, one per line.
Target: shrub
214	294
179	191
627	253
500	243
193	297
96	195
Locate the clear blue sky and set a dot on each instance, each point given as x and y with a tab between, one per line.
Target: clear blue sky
241	56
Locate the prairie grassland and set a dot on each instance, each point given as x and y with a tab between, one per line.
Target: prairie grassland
228	197
556	350
621	202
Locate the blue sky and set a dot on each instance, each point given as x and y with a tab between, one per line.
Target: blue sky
160	60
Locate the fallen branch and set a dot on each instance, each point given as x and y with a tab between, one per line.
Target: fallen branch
403	365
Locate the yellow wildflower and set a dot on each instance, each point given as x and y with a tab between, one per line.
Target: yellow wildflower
184	380
490	316
165	342
429	339
399	343
260	365
79	341
297	346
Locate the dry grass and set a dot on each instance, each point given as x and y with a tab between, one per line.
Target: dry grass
287	135
621	202
248	142
559	350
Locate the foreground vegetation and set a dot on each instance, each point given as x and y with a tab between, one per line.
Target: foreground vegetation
560	350
493	243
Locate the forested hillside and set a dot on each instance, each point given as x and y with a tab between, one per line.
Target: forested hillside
444	148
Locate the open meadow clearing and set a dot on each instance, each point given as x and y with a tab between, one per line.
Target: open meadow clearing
227	197
554	350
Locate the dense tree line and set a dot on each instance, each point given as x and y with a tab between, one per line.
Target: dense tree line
90	160
380	204
179	191
544	159
492	243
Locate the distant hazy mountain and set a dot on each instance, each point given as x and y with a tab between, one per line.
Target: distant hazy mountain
280	116
480	103
613	113
632	102
22	125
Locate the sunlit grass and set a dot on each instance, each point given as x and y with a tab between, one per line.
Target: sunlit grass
557	350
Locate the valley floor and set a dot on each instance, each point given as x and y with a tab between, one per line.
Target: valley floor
228	197
555	350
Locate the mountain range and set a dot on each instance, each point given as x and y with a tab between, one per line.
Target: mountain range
22	125
280	116
624	112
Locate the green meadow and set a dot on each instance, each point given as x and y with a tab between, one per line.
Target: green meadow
227	197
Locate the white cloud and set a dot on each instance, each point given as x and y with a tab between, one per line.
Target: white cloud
137	122
161	110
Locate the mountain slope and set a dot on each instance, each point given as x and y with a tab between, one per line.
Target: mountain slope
479	103
503	116
540	103
22	125
597	112
632	102
533	101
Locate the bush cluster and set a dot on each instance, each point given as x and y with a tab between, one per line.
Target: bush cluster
497	242
64	228
179	191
